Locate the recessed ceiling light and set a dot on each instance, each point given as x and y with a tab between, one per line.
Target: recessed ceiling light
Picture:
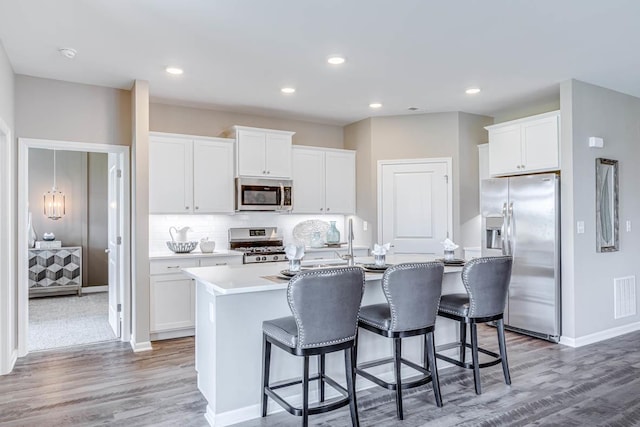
174	70
472	90
336	60
68	52
288	90
375	105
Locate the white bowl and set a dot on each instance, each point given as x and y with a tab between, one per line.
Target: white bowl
182	247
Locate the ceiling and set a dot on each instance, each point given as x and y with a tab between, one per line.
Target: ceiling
237	54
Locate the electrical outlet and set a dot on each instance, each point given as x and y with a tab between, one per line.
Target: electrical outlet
628	225
365	225
580	227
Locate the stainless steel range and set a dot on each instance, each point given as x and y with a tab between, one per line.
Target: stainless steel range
259	244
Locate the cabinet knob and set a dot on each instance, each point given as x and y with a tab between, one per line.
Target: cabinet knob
522	166
517	166
268	172
186	207
197	207
264	172
328	209
321	209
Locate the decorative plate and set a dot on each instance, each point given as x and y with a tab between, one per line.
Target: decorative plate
288	274
304	230
453	262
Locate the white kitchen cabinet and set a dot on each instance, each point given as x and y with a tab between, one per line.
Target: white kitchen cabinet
324	180
172	294
526	145
190	174
263	153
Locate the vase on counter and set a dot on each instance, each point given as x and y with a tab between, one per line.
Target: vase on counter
333	235
31	234
316	240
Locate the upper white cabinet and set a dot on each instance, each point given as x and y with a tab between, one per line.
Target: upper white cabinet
264	153
324	180
190	174
525	146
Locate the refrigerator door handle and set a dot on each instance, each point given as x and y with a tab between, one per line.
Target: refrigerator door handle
503	236
510	228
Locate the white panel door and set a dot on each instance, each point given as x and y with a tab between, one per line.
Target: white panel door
540	145
251	153
505	150
114	233
170	175
308	179
414	205
212	176
340	182
278	155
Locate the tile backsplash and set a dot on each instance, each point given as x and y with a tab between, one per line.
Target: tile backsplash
216	226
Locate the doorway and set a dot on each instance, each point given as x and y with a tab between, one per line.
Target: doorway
415	212
116	301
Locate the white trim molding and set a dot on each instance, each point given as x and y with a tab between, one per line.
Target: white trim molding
138	347
8	284
600	336
24	144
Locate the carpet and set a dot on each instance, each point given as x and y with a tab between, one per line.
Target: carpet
64	321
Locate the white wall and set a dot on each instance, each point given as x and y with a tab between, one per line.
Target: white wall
588	110
8	202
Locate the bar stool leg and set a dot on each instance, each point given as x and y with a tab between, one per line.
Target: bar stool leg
463	341
397	347
321	365
266	362
305	392
427	355
435	381
503	351
349	355
474	357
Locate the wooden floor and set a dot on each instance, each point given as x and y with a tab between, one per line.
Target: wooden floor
107	384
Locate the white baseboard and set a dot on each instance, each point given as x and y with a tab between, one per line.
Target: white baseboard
94	289
600	336
140	346
13	358
167	335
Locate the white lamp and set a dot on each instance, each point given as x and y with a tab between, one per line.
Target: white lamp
53	199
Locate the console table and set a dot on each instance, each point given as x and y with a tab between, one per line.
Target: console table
55	271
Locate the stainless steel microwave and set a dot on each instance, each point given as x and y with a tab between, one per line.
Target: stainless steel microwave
254	194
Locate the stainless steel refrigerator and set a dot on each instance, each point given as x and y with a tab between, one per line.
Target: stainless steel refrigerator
521	218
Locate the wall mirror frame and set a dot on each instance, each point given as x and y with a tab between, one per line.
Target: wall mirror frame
607	205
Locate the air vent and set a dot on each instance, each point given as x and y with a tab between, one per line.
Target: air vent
624	296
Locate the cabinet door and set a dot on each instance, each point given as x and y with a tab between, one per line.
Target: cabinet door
540	145
340	182
170	176
212	176
308	180
172	303
505	150
251	153
278	155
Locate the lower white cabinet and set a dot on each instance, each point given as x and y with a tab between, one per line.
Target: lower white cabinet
173	297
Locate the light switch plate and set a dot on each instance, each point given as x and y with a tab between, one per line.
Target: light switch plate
580	227
628	225
365	225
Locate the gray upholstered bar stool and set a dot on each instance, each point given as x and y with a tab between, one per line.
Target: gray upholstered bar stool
325	305
413	292
487	283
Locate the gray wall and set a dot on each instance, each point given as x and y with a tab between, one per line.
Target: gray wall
52	109
6	88
589	110
197	121
454	135
83	179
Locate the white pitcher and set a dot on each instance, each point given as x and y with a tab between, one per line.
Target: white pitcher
181	234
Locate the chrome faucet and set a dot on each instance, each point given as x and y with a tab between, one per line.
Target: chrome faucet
349	255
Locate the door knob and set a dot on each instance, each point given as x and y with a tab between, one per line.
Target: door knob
106	251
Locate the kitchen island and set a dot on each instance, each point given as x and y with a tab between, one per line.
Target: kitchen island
231	304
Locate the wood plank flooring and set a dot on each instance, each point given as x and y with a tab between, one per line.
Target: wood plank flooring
107	384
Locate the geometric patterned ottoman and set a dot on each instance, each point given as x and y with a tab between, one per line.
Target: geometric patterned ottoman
55	271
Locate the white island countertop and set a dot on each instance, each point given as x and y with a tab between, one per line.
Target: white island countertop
236	279
167	254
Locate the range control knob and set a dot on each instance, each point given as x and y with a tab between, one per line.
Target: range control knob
257	258
275	257
264	258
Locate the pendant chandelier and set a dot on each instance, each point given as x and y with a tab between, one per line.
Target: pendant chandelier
54	199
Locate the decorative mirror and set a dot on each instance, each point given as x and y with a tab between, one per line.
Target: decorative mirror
606	205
